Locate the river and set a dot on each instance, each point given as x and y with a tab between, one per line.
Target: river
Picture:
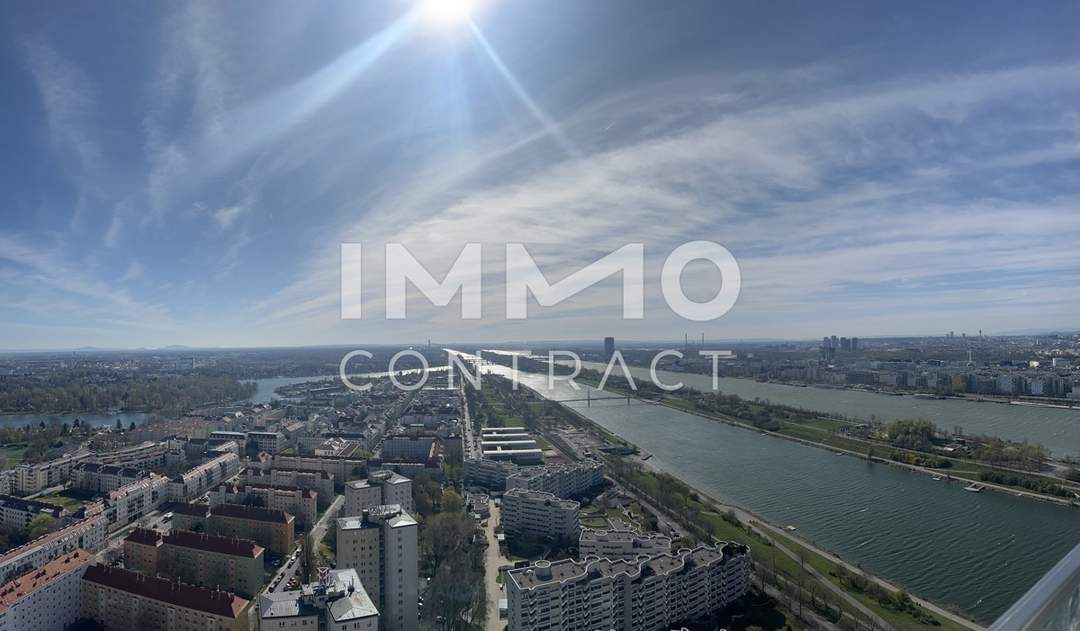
976	551
264	388
1056	429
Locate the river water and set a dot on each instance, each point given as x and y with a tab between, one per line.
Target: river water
1056	429
976	551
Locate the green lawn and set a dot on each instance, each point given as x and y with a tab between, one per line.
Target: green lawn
64	499
12	455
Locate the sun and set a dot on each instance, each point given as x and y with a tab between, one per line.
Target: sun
446	13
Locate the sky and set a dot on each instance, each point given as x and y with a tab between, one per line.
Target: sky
184	173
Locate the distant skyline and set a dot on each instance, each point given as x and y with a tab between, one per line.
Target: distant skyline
183	174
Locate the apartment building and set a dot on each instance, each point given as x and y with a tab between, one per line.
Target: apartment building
337	602
539	514
319	481
102	478
134	500
87	534
120	600
32	478
646	594
145	455
380	488
197	558
199	479
191	516
563	480
381	546
16	513
7	482
342	468
488	474
621	544
45	598
240	438
335	446
270	442
297	502
408	448
272	529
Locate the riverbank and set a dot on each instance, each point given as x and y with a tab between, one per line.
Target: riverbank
927	536
933	472
966	470
1048	402
1056	429
804	559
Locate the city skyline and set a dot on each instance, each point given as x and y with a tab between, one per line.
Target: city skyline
184	175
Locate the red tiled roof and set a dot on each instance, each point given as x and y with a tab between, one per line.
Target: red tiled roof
256	513
214	543
195	510
43	540
37	578
218	603
144	536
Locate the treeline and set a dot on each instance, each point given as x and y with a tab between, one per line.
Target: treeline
76	391
920	460
1036	485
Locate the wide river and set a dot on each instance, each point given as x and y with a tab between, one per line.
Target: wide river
1056	429
976	551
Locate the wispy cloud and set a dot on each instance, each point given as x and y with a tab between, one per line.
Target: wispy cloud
842	187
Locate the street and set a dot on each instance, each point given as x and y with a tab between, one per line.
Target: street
292	565
493	560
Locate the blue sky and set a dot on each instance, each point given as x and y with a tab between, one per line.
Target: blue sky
183	173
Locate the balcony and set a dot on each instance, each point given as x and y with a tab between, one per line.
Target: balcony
1052	604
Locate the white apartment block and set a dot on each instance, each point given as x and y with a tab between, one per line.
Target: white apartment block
539	514
132	501
338	602
343	469
270	442
488	474
102	478
16	513
200	479
7	482
301	503
379	489
31	478
319	481
646	594
381	545
621	544
87	534
45	598
562	480
146	455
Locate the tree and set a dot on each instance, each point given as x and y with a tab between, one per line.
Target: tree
40	525
132	428
308	573
119	426
452	501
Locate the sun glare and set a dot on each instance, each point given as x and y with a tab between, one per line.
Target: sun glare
446	13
